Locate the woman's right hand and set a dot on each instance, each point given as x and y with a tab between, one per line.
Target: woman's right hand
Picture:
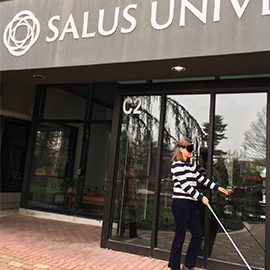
205	200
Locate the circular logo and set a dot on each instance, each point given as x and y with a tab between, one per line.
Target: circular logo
21	33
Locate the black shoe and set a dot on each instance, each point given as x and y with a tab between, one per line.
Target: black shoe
136	236
183	267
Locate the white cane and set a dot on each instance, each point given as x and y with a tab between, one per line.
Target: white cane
240	254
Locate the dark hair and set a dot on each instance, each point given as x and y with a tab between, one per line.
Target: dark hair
204	154
183	143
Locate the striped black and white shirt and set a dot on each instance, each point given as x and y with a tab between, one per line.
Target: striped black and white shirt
185	178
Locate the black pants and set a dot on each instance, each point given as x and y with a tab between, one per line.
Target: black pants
131	218
185	216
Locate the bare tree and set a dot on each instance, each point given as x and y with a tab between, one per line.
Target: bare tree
255	137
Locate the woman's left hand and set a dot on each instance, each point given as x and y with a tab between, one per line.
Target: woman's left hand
223	190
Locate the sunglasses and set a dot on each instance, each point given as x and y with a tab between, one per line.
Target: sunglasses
190	148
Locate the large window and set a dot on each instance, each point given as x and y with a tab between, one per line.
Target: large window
53	184
69	165
95	176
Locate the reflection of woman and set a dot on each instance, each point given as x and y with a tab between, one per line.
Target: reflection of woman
130	199
202	169
184	205
220	175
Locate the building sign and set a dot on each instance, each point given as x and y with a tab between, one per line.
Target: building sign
135	105
153	23
19	46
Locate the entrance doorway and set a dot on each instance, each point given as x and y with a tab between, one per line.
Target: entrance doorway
150	125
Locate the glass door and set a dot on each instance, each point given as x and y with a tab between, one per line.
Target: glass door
135	178
186	117
239	164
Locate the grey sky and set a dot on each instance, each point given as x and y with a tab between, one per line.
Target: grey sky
238	110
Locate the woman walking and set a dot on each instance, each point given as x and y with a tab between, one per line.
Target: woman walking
184	205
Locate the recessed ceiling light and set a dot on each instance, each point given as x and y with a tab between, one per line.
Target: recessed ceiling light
39	77
178	68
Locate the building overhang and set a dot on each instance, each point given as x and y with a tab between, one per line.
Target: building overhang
210	66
